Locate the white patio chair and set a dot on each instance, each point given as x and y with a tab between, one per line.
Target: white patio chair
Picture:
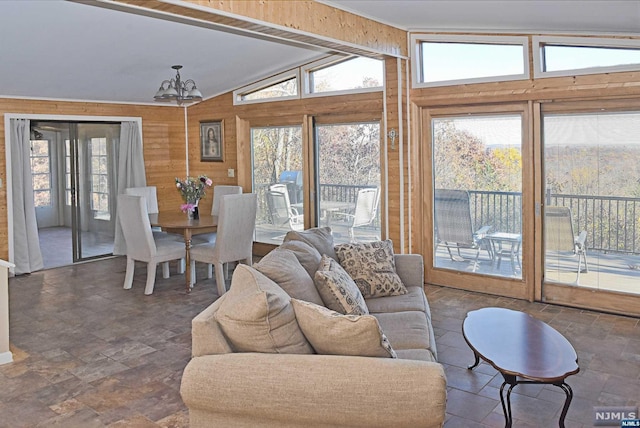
234	239
281	213
559	236
134	219
365	211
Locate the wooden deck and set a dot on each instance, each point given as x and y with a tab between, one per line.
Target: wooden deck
607	271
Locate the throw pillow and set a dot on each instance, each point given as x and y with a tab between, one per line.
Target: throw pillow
372	267
256	316
318	237
331	333
283	268
337	289
307	255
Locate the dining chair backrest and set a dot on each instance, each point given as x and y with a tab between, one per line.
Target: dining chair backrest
134	220
236	226
150	194
366	207
218	192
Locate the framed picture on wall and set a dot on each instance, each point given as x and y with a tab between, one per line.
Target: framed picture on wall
211	141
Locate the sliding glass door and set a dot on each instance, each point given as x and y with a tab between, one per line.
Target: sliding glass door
73	169
591	205
342	163
478	235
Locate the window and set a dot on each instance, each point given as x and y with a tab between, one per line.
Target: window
563	56
41	172
283	86
352	74
99	179
67	172
450	60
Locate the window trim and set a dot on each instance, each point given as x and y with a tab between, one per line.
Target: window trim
538	43
306	70
416	52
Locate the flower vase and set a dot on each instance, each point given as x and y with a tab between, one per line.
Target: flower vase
195	213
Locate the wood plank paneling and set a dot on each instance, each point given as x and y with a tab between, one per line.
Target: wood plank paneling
307	22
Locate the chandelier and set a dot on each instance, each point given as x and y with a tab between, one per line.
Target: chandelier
178	90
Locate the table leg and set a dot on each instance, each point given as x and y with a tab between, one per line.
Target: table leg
475	364
569	392
187	258
506	408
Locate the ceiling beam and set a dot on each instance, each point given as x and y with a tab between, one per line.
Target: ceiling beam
299	22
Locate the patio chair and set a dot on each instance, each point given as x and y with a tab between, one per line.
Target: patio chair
134	219
365	211
234	239
281	213
453	225
559	236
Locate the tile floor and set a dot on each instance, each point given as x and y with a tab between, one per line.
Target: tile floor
90	354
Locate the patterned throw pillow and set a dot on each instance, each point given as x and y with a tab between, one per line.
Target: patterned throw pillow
337	289
331	333
372	267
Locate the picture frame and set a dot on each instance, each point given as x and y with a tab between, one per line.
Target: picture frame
212	141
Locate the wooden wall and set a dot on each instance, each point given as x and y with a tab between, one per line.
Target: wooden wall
163	139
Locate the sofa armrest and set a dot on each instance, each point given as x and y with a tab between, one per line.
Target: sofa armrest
318	390
410	268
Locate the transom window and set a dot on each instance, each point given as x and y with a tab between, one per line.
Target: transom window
563	56
448	60
333	75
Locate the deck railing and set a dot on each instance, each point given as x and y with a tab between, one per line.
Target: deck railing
612	223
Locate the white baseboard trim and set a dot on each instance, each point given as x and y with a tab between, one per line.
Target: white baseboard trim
6	357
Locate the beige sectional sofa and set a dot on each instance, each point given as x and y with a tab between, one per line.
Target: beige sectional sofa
224	387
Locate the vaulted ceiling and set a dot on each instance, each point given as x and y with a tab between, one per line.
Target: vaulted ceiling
69	50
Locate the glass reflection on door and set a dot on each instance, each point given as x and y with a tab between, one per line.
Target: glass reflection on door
277	180
477	199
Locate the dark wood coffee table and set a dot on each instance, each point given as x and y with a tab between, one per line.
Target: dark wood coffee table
523	349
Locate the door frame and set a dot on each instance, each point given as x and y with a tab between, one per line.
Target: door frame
520	288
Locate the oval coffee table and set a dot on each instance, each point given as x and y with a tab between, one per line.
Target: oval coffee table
523	349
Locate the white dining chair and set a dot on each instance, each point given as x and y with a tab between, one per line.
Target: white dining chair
150	194
134	220
234	239
221	190
218	192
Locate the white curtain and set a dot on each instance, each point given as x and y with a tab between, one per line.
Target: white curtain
26	246
131	171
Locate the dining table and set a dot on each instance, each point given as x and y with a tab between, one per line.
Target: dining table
179	223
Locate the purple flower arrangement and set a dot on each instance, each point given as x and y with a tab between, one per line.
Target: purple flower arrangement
192	190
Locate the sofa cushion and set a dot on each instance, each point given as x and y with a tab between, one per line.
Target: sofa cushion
307	255
337	289
283	267
318	237
256	316
414	300
410	330
372	267
331	333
